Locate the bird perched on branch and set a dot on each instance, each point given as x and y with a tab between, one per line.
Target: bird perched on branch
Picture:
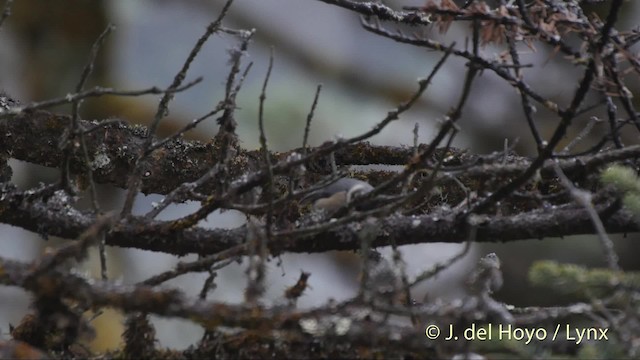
337	194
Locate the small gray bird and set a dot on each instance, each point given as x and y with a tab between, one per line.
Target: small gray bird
337	194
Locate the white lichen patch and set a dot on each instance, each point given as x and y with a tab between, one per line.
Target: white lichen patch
100	159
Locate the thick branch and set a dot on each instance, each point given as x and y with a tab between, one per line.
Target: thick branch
55	217
112	147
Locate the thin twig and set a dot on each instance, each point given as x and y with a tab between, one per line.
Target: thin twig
265	151
584	199
97	91
75	131
307	127
202	264
257	255
401	265
416	127
180	192
439	267
482	62
75	127
77	249
191	125
136	177
581	135
527	107
427	186
624	94
226	139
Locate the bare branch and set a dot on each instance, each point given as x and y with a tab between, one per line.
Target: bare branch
134	180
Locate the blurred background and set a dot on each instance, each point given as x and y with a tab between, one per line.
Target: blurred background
45	44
